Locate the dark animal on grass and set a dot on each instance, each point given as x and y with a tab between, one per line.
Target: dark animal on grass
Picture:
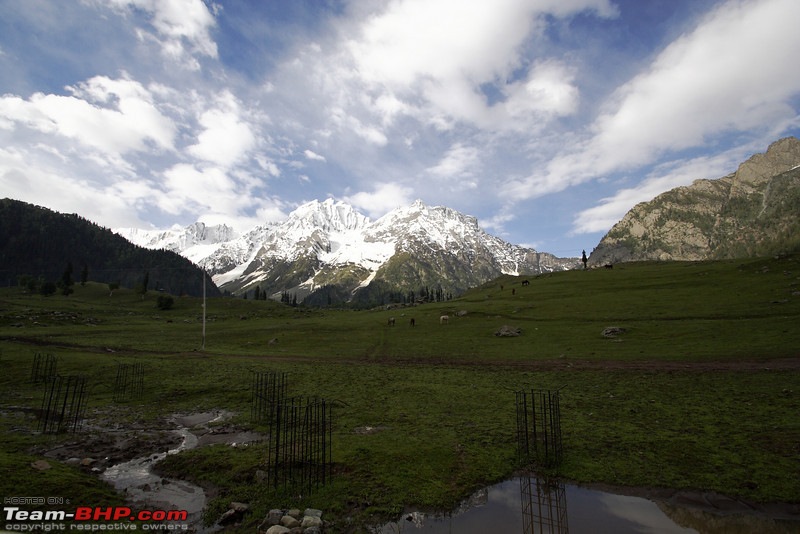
413	322
608	266
391	321
526	282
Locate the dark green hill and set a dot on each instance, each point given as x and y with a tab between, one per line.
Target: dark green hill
41	243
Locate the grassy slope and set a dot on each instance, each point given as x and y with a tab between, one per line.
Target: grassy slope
667	404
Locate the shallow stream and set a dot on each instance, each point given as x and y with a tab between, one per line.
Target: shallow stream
135	478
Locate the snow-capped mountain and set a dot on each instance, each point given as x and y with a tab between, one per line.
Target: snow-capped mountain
195	242
327	252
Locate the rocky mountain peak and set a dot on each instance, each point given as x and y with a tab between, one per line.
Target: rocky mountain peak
781	156
750	212
328	215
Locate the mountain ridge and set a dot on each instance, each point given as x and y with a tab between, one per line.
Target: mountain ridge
328	244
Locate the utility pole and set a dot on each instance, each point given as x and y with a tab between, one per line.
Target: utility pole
204	310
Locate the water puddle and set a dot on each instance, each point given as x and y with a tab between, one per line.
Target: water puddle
530	504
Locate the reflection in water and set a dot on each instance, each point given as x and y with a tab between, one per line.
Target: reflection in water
544	505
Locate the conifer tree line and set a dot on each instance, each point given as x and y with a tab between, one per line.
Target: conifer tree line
40	247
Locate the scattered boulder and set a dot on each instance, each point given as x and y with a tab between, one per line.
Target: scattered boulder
293	521
227	518
273	518
41	465
613	331
508	331
289	522
233	514
310	521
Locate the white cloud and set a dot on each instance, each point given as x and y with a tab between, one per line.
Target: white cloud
183	27
459	161
192	189
309	154
549	90
28	176
735	72
113	116
382	199
268	165
439	52
225	138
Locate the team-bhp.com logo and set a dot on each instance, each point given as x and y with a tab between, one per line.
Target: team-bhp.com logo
93	518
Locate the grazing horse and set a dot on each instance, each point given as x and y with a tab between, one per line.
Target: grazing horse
444	319
413	322
609	266
526	282
391	321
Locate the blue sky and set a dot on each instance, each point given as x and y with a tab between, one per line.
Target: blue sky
545	119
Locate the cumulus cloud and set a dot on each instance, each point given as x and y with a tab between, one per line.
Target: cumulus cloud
226	138
188	187
114	116
383	198
548	90
438	53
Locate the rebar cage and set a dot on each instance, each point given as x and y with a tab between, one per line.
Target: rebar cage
539	427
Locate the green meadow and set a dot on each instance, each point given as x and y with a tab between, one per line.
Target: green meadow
701	391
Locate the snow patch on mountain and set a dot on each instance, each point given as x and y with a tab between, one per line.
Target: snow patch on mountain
332	233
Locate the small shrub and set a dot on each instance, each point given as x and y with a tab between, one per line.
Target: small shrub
47	288
165	302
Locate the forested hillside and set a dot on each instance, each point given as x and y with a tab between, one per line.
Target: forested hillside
43	245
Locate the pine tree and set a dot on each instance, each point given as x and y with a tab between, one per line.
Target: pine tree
67	282
142	288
